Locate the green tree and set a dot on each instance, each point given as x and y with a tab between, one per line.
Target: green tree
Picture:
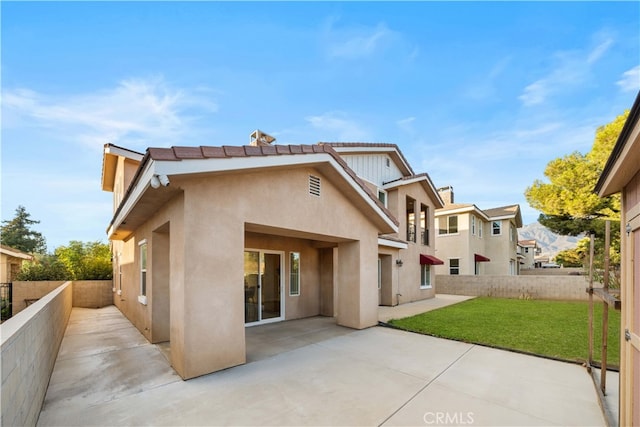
86	261
44	267
567	202
569	258
18	234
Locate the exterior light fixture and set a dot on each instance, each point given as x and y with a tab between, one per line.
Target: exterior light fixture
628	229
399	262
159	180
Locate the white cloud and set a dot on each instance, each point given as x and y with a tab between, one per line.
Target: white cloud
355	42
336	126
571	69
136	112
406	124
630	81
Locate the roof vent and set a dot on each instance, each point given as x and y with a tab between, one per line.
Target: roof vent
314	185
259	138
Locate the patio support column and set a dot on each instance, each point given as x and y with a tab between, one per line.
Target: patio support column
357	284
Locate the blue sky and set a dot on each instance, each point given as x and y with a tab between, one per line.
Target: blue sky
479	95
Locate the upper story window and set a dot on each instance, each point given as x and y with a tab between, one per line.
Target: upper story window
411	220
496	228
382	196
512	234
480	227
473	225
424	224
448	224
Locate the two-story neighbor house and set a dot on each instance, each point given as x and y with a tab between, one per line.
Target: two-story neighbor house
529	250
473	241
209	240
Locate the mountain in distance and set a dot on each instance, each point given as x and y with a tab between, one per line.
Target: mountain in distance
550	242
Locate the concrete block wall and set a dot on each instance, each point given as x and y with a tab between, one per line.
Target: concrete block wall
86	293
570	288
92	293
29	346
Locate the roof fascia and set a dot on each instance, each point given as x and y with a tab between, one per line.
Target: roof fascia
422	179
472	208
16	254
392	243
194	166
629	136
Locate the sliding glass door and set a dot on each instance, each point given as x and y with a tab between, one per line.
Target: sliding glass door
262	286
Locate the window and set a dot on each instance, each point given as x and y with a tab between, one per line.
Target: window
448	224
142	298
314	185
411	220
526	250
512	234
480	227
294	273
425	276
382	196
473	225
454	266
496	228
424	224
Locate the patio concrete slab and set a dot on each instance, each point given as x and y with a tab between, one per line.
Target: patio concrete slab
411	309
342	377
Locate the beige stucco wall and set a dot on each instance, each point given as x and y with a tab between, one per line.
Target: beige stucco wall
501	249
535	287
405	280
9	267
30	343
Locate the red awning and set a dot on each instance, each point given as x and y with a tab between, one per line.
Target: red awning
430	260
480	258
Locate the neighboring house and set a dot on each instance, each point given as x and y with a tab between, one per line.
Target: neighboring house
472	241
622	174
208	240
11	261
529	250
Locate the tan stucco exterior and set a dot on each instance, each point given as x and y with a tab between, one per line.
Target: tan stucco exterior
197	228
622	174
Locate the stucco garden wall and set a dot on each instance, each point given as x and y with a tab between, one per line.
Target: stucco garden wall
29	347
534	287
86	293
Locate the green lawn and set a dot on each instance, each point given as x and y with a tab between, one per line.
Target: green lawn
550	328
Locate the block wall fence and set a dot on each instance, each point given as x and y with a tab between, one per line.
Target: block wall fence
550	287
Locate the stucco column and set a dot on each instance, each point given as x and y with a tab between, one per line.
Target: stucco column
357	285
213	293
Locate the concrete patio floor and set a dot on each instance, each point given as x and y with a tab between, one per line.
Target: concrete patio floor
310	372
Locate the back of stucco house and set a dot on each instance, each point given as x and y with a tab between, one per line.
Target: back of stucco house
210	240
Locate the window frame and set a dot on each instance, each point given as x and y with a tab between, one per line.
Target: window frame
457	267
448	231
385	198
473	225
143	253
411	219
425	273
493	228
292	292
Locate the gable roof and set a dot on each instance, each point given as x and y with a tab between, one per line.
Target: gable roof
623	162
424	180
505	212
8	250
110	156
207	159
374	147
452	208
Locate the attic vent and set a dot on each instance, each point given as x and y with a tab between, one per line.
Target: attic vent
314	185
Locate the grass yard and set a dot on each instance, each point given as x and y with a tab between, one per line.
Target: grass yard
550	328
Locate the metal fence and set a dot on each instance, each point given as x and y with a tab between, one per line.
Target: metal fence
5	301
